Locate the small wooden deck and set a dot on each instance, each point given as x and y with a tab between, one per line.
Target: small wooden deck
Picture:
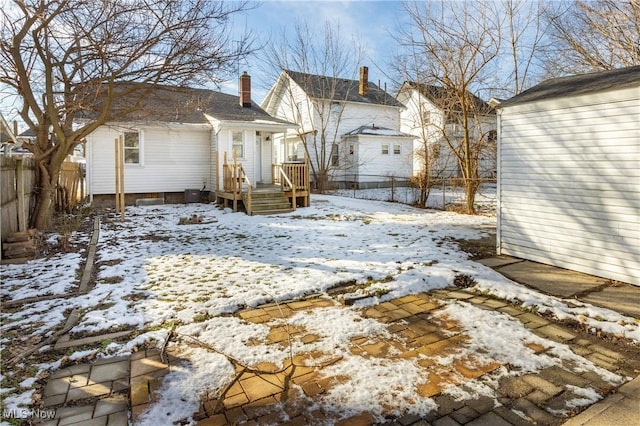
289	179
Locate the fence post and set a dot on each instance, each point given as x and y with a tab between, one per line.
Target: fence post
393	188
444	195
22	219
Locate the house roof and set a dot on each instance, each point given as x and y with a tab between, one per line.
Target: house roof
27	134
578	85
6	134
340	89
375	131
173	104
444	98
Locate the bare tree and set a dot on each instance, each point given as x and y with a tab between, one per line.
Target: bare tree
453	45
422	120
593	36
62	56
525	32
318	64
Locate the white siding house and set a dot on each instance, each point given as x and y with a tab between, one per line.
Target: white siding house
569	174
425	117
370	156
328	110
178	140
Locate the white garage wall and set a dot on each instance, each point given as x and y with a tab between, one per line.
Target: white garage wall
569	183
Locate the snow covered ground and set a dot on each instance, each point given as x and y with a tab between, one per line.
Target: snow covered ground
154	274
439	196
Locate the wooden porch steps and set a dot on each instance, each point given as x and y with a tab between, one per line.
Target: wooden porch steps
269	202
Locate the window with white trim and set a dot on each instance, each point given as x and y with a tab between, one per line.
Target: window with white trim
237	139
335	159
385	149
396	149
132	152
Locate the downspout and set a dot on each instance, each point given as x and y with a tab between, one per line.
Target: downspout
498	181
89	170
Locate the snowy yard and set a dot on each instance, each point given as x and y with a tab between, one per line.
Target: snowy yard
154	274
440	197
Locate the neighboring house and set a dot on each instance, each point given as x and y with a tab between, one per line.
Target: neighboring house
7	137
333	115
371	156
184	139
432	115
569	174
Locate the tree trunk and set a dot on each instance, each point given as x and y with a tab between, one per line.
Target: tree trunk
470	186
46	183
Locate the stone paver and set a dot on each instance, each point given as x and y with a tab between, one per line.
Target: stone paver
262	398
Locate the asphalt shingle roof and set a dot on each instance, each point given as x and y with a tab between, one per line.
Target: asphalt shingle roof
578	85
443	98
182	105
340	89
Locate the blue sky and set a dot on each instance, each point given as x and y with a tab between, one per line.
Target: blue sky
369	21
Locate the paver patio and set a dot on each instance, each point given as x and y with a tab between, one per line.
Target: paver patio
96	394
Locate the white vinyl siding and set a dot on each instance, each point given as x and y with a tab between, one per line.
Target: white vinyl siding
370	166
172	160
569	192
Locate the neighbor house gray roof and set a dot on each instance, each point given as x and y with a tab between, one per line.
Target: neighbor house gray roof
376	131
6	134
578	85
340	89
179	105
445	99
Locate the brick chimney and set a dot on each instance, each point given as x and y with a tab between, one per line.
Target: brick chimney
245	90
363	87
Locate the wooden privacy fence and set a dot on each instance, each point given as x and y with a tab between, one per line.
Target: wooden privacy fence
17	177
17	194
71	189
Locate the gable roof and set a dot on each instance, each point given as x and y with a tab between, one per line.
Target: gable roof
173	104
579	85
340	89
6	133
441	97
374	130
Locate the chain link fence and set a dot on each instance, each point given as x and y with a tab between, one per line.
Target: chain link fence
444	194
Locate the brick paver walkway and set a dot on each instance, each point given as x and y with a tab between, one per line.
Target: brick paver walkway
288	396
117	391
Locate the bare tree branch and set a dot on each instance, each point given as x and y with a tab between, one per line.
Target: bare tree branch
62	56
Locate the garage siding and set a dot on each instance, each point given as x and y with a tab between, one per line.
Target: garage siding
569	183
